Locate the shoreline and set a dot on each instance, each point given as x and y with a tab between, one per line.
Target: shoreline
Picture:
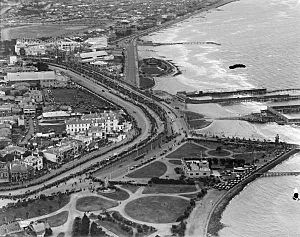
214	224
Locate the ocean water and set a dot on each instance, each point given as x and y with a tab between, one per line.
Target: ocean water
265	36
262	34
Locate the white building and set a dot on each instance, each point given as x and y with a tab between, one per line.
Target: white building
35	161
97	42
30	46
65	151
44	78
109	122
195	168
92	56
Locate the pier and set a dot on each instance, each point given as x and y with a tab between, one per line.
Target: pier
258	98
275	174
149	43
237	96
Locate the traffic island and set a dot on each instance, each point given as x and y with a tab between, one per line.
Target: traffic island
94	203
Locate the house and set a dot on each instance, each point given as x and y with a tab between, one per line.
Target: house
96	133
65	151
4	172
20	171
39	228
195	167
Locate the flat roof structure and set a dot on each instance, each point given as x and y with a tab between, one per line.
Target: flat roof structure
30	76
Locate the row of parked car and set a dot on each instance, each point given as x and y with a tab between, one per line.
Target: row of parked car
239	176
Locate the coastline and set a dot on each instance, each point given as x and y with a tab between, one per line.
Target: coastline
214	224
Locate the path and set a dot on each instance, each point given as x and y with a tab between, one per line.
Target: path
197	219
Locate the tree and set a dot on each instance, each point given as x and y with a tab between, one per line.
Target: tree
48	232
85	225
76	227
219	149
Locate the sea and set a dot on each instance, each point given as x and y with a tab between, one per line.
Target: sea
264	35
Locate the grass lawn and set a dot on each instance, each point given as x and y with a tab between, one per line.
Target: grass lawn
218	153
169	188
175	162
198	123
132	188
187	150
115	228
146	82
192	115
58	219
248	157
80	100
156	209
93	203
155	169
38	207
118	195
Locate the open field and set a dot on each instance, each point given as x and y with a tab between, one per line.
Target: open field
80	100
132	188
118	195
156	209
115	228
36	208
37	31
58	219
187	150
154	169
93	203
169	188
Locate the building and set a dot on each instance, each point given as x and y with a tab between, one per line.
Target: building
8	229
39	228
58	115
20	171
35	161
92	56
96	133
65	151
75	126
13	150
43	78
195	167
109	122
4	172
290	114
97	42
30	47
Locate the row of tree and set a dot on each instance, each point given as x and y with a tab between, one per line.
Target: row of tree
83	227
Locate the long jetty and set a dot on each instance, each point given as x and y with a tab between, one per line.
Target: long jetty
274	174
149	43
229	97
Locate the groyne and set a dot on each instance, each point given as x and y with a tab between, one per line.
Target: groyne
214	224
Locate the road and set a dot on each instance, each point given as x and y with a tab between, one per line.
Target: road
131	64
